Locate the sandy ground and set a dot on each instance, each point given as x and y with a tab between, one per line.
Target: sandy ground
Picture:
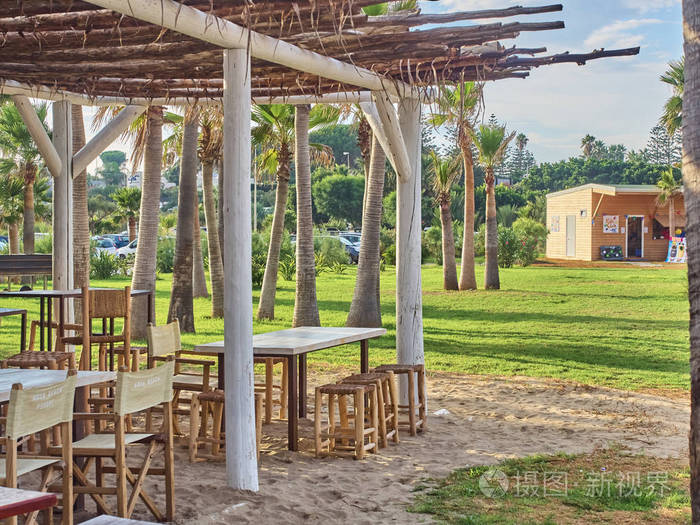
489	419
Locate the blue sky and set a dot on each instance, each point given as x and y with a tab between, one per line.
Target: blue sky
617	100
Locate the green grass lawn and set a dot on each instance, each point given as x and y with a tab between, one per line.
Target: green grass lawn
624	327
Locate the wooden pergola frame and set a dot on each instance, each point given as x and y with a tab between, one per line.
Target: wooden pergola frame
232	52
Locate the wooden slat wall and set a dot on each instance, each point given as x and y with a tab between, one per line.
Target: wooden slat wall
570	204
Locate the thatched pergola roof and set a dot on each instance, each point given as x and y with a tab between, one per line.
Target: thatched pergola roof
74	46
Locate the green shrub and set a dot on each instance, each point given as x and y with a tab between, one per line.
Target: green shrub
532	229
103	265
387	246
431	247
338	268
480	241
288	267
258	259
43	244
331	251
125	265
508	247
165	255
389	255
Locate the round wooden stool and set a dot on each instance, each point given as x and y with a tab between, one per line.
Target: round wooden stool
416	410
213	401
35	359
388	402
268	387
342	438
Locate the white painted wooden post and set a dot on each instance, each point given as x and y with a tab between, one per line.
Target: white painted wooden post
63	200
241	461
409	302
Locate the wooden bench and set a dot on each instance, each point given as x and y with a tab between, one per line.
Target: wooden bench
20	265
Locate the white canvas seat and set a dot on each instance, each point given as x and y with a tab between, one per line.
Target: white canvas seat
25	466
106	441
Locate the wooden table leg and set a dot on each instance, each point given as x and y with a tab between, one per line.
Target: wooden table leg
80	404
49	315
364	356
292	421
61	322
151	302
220	372
23	335
302	385
41	323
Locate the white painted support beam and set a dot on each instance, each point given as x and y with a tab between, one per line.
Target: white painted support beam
392	129
241	459
372	115
38	133
409	302
63	198
11	87
108	134
223	33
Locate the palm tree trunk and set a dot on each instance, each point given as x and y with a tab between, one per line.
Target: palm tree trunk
266	305
132	228
81	221
491	278
671	217
365	308
467	276
449	265
28	223
691	185
220	210
181	306
305	304
216	268
144	276
14	238
199	279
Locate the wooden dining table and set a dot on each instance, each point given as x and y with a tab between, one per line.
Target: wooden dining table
46	308
14	502
293	345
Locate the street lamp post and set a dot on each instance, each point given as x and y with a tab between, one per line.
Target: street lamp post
347	157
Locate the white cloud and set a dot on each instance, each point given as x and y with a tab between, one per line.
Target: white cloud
471	5
644	6
622	33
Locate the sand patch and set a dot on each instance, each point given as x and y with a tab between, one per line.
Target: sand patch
489	419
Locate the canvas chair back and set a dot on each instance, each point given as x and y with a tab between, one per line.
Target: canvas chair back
144	389
39	408
163	339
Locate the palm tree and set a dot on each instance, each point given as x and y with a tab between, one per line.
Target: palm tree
691	185
588	145
11	208
459	106
21	159
674	76
144	273
365	308
492	142
274	133
305	304
199	279
81	219
445	173
210	150
128	201
181	306
670	187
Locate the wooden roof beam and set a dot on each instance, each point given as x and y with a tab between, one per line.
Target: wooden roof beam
39	134
225	34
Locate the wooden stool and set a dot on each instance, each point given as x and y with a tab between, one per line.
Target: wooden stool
388	402
213	400
337	438
34	359
268	387
411	371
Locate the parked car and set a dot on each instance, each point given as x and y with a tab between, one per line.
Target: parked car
353	251
128	249
353	237
119	239
105	245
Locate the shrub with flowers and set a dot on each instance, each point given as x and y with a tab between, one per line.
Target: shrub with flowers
508	247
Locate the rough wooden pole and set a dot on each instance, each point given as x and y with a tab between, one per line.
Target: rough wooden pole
38	133
409	303
63	199
241	460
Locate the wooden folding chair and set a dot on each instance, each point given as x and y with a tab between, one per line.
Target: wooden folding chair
164	341
37	410
135	392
